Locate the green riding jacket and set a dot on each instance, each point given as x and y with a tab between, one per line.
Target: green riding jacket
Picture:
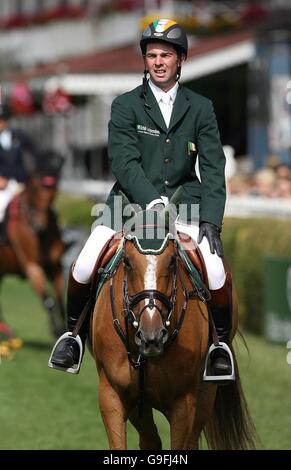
149	160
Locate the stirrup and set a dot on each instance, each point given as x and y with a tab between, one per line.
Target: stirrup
219	378
72	370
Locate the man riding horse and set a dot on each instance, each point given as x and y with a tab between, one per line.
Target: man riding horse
156	132
18	158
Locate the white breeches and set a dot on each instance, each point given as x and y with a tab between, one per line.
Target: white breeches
214	265
101	234
87	258
6	194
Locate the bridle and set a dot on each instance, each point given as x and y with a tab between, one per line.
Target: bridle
130	301
31	210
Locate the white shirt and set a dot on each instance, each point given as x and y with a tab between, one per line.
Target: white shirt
165	100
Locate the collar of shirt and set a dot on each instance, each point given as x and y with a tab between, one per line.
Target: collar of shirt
158	92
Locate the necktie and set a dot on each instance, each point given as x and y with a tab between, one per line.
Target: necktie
166	108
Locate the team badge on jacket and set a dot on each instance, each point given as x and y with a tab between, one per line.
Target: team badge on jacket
191	147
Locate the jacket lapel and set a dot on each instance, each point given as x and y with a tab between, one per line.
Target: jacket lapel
181	106
154	111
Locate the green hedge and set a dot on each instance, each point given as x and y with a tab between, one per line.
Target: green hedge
246	243
74	210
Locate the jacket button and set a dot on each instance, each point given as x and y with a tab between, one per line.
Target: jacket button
167	160
166	183
168	141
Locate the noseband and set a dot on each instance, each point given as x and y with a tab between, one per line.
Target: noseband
130	301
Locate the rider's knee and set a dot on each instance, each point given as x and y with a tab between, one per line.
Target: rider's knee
216	274
82	272
87	258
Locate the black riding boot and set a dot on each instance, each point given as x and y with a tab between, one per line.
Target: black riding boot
220	360
67	352
221	310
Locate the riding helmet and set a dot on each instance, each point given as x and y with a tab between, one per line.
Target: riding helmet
167	31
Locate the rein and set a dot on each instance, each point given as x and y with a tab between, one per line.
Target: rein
130	301
138	362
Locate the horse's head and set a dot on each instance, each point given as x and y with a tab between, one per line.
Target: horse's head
149	281
41	187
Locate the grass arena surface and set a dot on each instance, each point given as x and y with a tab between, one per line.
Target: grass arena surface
44	409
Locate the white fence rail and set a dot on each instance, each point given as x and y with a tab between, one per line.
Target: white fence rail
236	206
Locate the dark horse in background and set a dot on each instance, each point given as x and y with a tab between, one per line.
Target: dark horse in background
150	337
32	246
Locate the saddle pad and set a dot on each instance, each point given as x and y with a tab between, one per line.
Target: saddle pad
109	270
194	274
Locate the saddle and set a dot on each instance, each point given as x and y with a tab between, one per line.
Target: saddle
10	216
193	254
107	261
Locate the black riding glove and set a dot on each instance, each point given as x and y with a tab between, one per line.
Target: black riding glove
212	233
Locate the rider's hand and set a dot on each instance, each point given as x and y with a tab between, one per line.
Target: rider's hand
212	233
158	207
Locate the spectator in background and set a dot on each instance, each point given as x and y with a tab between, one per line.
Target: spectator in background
230	164
17	159
283	181
282	170
263	183
283	188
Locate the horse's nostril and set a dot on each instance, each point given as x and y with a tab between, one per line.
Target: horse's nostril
139	337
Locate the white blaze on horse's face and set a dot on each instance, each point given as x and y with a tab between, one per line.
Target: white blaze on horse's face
150	277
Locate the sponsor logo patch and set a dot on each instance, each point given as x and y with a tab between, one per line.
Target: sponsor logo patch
147	130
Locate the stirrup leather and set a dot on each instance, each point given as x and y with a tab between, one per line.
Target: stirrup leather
219	378
72	370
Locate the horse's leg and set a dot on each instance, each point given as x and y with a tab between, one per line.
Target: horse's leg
113	414
147	429
181	417
57	312
58	284
27	249
205	403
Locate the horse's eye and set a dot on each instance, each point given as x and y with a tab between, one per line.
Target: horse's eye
127	263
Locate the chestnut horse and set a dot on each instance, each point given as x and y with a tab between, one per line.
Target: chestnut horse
150	336
33	247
